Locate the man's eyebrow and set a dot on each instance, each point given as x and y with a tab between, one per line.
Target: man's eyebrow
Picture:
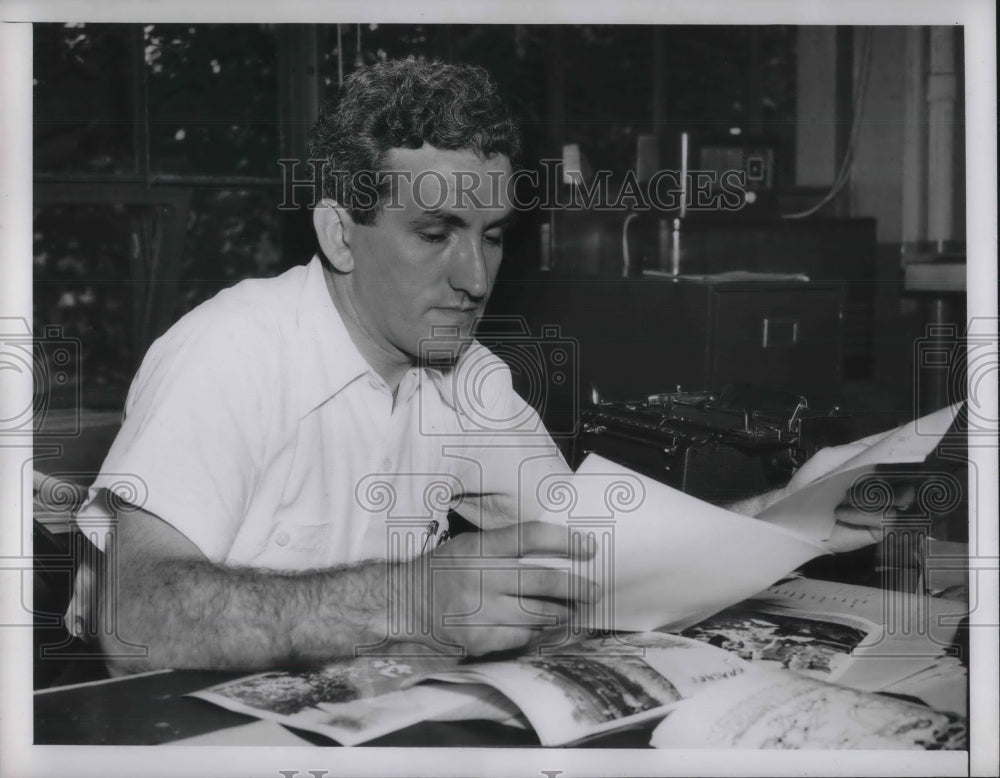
438	216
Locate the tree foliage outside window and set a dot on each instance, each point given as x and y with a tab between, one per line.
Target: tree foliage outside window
83	99
83	284
237	233
145	106
213	98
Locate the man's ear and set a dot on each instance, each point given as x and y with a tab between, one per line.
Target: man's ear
333	225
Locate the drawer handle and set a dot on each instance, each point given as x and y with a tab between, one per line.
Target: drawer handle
779	333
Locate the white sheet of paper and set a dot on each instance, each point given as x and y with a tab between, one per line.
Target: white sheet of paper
665	558
823	482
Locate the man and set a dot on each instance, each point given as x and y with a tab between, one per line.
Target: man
291	447
265	427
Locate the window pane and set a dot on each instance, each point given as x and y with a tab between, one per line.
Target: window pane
213	98
83	99
515	56
608	92
232	234
378	42
719	65
83	283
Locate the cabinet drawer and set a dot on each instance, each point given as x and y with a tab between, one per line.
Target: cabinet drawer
787	338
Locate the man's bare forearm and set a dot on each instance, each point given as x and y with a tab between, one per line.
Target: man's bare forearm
193	613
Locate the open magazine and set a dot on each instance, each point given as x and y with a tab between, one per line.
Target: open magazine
708	696
352	701
583	690
855	636
777	709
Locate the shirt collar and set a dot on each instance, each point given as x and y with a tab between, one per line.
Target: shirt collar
442	381
328	359
445	380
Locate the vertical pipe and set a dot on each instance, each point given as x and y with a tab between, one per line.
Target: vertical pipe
684	173
941	86
914	214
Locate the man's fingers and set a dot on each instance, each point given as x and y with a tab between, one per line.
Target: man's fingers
504	608
543	613
539	538
878	493
846	513
556	584
855	512
849	537
536	538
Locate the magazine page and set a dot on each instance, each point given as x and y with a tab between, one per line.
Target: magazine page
659	559
818	646
834	632
914	633
602	684
782	710
356	700
943	686
825	646
909	623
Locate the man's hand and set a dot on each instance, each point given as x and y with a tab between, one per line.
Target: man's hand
483	599
861	522
874	502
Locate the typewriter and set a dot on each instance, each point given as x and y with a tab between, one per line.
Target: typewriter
718	446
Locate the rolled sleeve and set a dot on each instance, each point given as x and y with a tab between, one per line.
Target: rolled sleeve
191	442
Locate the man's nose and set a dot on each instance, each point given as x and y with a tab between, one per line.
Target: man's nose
468	269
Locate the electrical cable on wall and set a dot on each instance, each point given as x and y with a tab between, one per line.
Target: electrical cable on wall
846	167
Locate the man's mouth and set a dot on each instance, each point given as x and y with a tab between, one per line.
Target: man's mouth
459	308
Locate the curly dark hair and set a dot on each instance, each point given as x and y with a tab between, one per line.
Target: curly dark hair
404	104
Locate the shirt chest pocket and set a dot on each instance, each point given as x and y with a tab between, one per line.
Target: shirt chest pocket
301	537
294	546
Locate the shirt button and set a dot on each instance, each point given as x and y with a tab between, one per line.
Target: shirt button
282	538
386	464
374	384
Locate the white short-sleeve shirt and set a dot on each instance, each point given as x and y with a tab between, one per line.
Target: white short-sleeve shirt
257	429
